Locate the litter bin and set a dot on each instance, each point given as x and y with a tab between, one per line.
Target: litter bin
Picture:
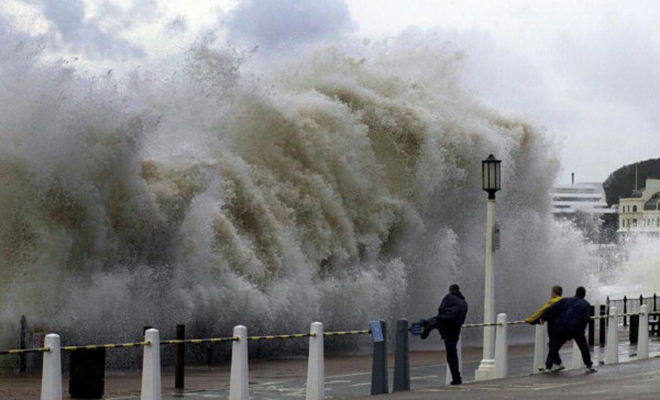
87	374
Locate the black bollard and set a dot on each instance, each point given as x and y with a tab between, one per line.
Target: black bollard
179	378
634	329
379	383
22	360
402	357
87	374
592	326
625	310
603	322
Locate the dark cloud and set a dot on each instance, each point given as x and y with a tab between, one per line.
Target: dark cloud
271	23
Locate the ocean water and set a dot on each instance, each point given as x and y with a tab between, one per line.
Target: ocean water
214	188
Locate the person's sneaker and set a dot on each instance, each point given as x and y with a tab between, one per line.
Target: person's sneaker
545	370
591	369
558	368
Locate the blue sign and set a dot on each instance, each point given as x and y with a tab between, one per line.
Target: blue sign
376	331
416	328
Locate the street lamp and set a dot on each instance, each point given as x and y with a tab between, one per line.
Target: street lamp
491	178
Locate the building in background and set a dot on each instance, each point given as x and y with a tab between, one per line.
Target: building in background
585	204
585	197
640	213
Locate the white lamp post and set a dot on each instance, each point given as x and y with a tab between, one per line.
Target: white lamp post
491	184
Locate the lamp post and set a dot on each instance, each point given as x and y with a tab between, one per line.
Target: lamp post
491	184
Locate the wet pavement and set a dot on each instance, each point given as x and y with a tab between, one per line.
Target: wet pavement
349	376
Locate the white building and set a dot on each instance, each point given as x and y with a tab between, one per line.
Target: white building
585	197
641	212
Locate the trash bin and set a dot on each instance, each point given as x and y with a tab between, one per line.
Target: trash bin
87	374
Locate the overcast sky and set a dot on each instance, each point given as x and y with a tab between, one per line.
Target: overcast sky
588	71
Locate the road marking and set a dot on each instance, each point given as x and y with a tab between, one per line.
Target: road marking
338	381
360	384
423	377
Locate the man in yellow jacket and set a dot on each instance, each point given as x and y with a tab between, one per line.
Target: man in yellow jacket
555	296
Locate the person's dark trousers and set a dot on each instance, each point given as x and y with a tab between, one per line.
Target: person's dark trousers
452	360
581	341
556	341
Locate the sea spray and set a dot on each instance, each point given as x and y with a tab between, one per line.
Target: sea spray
341	184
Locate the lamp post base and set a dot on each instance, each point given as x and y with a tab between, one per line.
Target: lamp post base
485	370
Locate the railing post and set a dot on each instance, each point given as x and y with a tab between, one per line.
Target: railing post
501	368
611	348
151	385
402	357
179	376
643	335
459	351
379	383
625	310
316	364
51	380
539	348
238	381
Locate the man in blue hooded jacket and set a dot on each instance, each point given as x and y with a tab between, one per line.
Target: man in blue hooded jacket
570	316
450	318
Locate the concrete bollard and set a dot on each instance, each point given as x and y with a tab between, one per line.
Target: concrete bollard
576	357
238	381
316	364
151	385
501	368
643	338
402	357
612	344
539	348
51	380
459	350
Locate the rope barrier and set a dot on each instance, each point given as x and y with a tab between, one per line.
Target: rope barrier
23	351
105	346
364	332
628	315
271	337
199	341
480	325
517	322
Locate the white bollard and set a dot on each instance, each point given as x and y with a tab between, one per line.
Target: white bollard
643	333
459	350
612	345
539	348
501	368
238	381
576	357
151	385
316	364
51	380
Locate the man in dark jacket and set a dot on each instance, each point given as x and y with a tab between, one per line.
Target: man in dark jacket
570	316
450	318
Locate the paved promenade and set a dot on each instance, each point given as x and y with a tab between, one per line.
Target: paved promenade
349	376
